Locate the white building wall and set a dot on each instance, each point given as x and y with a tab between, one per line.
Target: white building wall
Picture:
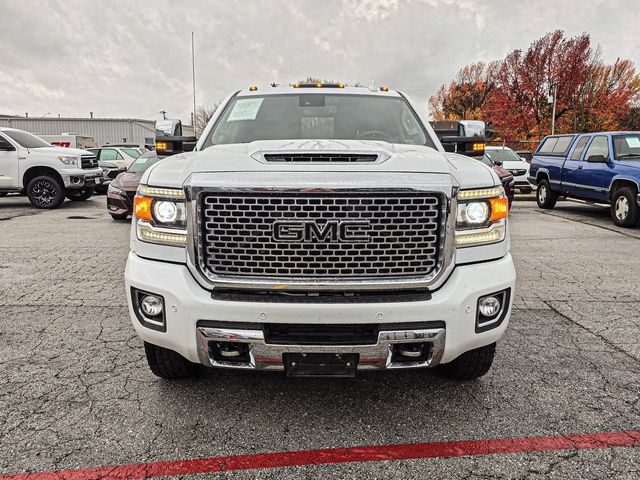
103	130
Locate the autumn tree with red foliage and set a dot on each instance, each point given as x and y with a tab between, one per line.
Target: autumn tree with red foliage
467	93
513	94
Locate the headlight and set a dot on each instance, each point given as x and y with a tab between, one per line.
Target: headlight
165	212
472	214
480	219
161	215
68	160
112	189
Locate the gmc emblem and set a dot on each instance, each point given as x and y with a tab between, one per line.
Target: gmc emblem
308	231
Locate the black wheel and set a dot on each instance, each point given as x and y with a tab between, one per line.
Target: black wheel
545	197
3	194
79	194
45	192
471	364
624	207
168	364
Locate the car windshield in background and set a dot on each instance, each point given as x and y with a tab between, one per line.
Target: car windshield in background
318	116
503	155
26	140
143	162
486	161
132	152
626	146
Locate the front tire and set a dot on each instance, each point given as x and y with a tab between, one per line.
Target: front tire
168	364
45	192
80	194
545	197
472	364
624	207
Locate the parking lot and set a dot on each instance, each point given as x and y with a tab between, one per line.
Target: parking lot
75	390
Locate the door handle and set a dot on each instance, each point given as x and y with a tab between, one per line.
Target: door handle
580	167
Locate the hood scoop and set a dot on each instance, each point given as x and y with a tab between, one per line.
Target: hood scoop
321	157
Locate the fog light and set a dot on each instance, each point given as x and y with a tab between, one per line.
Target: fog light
489	306
492	310
151	305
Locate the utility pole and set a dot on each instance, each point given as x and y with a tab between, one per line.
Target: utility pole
193	71
553	114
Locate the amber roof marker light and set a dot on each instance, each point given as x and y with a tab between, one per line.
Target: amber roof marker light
253	88
384	89
318	85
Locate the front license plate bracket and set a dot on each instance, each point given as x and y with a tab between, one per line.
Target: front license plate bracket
320	364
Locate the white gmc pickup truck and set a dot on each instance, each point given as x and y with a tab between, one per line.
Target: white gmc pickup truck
320	230
45	173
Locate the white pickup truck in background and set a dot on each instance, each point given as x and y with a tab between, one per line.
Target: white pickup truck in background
46	174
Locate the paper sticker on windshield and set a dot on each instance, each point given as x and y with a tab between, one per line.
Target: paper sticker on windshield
245	109
633	142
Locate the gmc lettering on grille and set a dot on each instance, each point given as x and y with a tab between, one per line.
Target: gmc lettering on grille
330	231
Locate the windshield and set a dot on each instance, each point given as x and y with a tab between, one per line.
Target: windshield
318	116
502	155
132	152
25	139
486	161
143	162
626	146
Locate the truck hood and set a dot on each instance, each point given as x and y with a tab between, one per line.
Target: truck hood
175	171
63	151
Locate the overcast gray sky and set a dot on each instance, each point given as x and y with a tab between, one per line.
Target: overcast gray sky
132	58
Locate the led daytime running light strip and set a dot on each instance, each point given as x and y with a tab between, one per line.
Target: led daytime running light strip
150	234
480	193
146	191
474	237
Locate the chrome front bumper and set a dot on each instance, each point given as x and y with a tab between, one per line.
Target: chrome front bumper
264	356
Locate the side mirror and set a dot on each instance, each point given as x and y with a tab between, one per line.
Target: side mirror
497	162
469	146
596	159
188	146
171	145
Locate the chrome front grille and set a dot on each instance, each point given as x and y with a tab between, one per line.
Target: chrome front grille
88	161
320	235
517	173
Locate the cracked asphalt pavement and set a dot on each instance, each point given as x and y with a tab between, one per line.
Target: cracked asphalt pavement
75	390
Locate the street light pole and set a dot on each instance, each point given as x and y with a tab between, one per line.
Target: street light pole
193	72
553	114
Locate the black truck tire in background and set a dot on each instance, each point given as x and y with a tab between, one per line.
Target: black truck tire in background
3	194
472	364
79	194
624	207
45	191
168	364
545	197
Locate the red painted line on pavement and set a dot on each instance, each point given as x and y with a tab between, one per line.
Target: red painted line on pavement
375	453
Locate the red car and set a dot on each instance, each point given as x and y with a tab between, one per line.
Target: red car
508	182
123	188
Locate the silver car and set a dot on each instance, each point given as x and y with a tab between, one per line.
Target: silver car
509	160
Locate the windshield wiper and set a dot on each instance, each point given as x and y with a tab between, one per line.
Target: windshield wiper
629	155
